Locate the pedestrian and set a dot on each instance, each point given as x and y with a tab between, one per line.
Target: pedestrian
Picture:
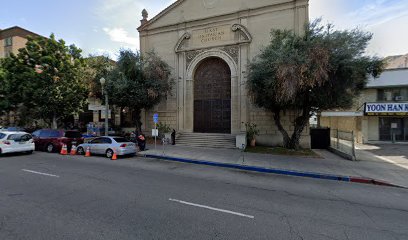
173	137
141	141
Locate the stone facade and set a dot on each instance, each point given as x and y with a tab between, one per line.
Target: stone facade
190	31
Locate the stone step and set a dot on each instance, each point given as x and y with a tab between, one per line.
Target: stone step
207	140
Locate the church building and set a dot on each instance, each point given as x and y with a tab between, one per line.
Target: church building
209	44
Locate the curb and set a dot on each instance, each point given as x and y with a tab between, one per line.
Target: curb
278	171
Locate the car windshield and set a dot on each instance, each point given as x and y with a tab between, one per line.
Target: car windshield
120	140
2	135
73	134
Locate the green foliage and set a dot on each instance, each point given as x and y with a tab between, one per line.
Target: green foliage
321	69
251	130
139	82
163	129
46	77
96	68
4	104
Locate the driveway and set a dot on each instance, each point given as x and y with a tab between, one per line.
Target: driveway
391	153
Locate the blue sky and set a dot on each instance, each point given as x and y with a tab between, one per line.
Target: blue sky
105	26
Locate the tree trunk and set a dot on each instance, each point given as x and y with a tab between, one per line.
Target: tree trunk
138	122
285	135
54	122
300	123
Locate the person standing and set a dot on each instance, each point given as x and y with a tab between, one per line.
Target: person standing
173	137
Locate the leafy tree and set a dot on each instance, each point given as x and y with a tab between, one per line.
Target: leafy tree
96	68
319	70
46	78
3	89
139	82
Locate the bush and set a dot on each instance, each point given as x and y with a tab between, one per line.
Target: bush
251	130
163	129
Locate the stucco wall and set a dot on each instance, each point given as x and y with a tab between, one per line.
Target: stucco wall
373	129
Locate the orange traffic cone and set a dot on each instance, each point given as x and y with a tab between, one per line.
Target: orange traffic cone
114	157
64	150
73	150
88	152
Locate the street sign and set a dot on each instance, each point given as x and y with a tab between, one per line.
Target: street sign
156	118
155	132
94	107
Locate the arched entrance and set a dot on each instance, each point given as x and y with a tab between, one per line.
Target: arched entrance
212	96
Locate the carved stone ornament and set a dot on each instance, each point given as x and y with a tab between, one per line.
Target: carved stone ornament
181	42
232	51
247	38
210	3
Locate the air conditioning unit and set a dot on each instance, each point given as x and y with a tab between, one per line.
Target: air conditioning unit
399	98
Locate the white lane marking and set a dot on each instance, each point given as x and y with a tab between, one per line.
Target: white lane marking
211	208
45	174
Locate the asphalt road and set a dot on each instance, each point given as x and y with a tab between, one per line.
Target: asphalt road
48	196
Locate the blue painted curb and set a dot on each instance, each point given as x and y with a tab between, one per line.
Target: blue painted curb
256	169
277	171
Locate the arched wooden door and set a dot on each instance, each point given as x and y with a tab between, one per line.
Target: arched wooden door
212	97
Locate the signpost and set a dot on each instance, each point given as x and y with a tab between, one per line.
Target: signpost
394	126
155	132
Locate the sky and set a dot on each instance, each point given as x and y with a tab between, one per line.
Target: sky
105	26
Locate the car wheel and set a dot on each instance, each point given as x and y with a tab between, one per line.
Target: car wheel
50	148
109	153
30	152
80	151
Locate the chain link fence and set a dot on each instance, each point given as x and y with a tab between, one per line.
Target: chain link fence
343	142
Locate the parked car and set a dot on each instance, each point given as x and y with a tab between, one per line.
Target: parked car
12	129
106	146
52	140
12	142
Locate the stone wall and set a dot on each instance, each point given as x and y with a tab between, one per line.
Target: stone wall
269	133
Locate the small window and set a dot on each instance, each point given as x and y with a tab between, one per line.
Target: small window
15	137
8	41
106	141
2	135
26	137
96	140
121	140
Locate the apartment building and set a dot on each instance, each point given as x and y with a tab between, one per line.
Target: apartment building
12	39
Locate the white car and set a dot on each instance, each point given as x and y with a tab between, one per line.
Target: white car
12	142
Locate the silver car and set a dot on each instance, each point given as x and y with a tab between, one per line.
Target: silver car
107	145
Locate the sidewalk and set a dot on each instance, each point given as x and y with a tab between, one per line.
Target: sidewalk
329	163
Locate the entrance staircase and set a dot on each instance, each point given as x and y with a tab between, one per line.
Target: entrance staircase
206	140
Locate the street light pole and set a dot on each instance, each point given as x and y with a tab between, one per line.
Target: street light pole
103	81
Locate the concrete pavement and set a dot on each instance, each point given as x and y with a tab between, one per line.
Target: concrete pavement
138	198
328	163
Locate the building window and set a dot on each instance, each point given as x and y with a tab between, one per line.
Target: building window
389	126
392	94
8	41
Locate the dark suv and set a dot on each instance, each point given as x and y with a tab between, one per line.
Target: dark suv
52	140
